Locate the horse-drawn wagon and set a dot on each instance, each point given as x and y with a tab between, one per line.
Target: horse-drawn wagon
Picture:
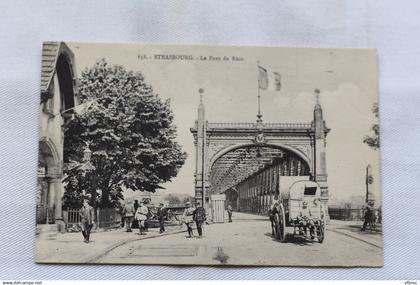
300	209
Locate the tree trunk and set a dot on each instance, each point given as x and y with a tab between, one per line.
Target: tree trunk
105	202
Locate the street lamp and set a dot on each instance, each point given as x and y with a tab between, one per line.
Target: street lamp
86	164
203	198
88	167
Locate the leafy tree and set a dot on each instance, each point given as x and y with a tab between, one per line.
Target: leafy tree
373	139
173	199
130	132
178	198
188	199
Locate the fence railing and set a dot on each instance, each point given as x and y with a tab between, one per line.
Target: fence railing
254	125
346	214
351	214
105	219
108	218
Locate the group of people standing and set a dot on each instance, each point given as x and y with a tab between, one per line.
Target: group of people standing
132	213
140	213
193	215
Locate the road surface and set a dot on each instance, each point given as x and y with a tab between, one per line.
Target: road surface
246	241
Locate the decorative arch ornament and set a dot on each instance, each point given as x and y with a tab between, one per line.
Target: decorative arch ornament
232	147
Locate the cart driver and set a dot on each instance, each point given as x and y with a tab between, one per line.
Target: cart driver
272	211
305	220
273	206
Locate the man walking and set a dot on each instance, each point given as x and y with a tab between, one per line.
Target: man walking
199	218
128	212
161	215
141	216
229	210
188	218
368	216
135	223
86	215
146	202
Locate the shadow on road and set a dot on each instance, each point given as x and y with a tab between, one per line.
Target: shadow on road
221	256
356	228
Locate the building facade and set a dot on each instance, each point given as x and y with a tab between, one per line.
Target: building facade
58	97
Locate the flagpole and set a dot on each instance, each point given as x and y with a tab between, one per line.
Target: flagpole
259	97
73	108
91	101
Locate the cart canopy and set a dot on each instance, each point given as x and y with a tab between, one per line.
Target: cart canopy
301	189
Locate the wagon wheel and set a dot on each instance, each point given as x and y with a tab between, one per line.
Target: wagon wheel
321	231
280	225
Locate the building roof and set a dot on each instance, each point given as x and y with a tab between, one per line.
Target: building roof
49	59
50	54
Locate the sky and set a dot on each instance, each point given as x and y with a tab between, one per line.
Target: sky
347	79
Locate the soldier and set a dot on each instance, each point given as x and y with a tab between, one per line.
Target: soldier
146	202
135	223
271	213
229	210
136	205
199	218
141	216
87	216
305	220
368	217
162	213
188	218
128	213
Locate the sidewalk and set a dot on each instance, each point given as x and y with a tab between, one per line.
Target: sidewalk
348	228
70	248
352	229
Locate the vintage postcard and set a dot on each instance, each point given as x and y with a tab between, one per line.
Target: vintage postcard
208	155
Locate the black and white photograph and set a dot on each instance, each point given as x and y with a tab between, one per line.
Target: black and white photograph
208	155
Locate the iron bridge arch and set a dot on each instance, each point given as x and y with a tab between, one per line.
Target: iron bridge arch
226	154
231	167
